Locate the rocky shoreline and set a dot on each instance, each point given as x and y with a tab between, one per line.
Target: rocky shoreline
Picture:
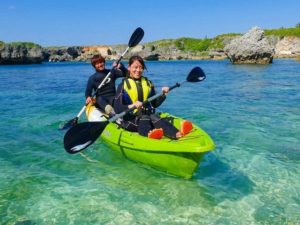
251	48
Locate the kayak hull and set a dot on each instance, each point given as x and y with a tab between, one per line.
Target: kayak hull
178	157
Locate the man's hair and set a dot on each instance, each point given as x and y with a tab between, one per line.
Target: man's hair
97	59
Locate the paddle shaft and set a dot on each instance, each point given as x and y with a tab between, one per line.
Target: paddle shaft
120	115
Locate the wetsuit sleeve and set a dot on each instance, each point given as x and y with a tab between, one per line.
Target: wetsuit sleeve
120	72
89	87
119	104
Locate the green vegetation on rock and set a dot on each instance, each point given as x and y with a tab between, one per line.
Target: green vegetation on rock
162	43
282	32
25	44
218	41
193	44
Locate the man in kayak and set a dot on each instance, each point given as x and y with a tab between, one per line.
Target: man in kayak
132	92
105	95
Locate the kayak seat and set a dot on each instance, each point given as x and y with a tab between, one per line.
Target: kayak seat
156	133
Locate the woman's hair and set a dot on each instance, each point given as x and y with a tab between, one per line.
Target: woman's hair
137	58
97	59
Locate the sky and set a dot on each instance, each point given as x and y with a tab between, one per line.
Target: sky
109	22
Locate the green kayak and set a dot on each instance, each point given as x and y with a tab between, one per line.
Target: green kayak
178	157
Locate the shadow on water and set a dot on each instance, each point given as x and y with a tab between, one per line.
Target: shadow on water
25	222
221	181
213	182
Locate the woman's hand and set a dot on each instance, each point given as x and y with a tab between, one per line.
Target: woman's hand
165	90
137	105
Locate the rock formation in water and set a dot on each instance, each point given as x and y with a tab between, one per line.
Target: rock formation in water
251	48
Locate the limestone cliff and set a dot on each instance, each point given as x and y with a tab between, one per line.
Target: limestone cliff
167	49
20	54
287	47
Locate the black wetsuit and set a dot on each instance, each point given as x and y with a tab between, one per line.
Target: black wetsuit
106	94
145	119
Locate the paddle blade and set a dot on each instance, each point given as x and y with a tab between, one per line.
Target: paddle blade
83	135
69	124
136	37
196	75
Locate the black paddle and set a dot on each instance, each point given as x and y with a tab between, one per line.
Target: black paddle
135	38
84	134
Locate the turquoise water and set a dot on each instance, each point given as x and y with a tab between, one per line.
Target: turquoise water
252	177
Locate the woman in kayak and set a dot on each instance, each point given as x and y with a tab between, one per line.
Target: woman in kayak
105	95
132	92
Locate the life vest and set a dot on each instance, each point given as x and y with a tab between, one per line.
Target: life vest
137	90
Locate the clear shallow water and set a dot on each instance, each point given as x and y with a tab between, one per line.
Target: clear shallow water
252	177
